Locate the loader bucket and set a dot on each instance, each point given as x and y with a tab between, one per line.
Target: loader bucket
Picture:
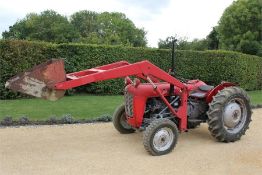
40	80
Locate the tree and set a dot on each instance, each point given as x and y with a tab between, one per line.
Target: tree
196	44
213	39
85	22
167	43
48	26
108	28
84	26
240	27
183	44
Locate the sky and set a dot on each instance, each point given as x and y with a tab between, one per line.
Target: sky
191	19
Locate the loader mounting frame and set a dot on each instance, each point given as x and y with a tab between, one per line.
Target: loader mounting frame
144	70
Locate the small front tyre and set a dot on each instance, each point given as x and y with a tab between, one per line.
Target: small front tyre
160	137
120	121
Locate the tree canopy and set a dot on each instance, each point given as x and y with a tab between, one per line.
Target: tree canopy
47	26
240	27
213	39
83	26
183	44
108	28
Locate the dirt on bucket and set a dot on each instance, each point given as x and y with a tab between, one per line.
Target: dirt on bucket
40	80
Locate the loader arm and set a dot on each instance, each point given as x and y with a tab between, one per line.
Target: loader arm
120	69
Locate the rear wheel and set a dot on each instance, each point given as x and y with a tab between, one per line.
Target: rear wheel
160	137
120	121
229	114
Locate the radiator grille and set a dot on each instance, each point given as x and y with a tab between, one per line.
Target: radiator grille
129	104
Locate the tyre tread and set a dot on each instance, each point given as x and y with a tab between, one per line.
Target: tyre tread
215	114
154	125
116	121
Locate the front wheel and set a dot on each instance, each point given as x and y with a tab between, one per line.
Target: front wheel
229	114
120	121
160	137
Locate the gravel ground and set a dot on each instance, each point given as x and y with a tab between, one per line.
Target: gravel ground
99	149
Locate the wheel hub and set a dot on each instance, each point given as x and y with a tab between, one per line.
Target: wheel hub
232	115
163	139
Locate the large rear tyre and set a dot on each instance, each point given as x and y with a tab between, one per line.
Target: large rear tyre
120	121
229	114
160	137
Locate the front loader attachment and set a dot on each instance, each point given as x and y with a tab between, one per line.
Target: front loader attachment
40	80
49	81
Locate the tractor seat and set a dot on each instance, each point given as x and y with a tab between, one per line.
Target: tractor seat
198	94
205	87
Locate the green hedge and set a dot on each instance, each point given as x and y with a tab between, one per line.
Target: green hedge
209	66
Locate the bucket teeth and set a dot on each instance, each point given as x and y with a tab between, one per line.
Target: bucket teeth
40	80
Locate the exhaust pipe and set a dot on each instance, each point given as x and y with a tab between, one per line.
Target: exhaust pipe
40	80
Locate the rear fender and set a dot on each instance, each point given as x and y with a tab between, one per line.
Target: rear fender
218	88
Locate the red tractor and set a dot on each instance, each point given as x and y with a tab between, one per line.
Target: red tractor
161	105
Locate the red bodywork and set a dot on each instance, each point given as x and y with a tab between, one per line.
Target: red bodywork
145	90
158	86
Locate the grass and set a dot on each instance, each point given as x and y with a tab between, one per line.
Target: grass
79	107
256	97
85	106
